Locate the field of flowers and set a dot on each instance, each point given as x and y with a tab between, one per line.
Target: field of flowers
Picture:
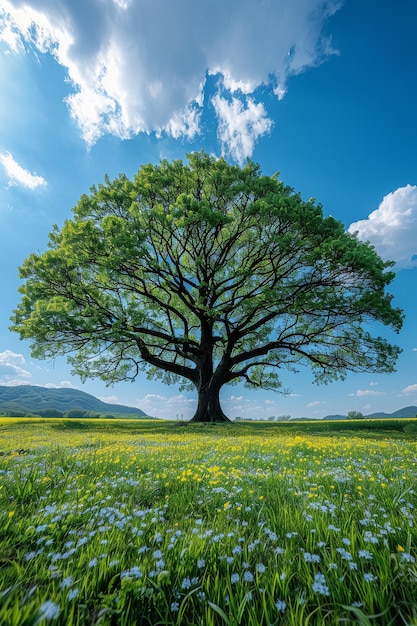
134	522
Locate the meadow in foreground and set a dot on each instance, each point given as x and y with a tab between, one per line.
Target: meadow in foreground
123	523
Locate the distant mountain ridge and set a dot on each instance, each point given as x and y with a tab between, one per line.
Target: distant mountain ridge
407	411
31	399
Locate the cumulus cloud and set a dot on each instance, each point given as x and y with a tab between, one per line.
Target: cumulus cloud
142	66
63	384
12	366
392	228
240	125
164	407
367	392
410	389
110	399
17	175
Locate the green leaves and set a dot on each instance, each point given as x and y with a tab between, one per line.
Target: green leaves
205	271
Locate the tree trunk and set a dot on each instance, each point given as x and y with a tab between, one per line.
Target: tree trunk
208	407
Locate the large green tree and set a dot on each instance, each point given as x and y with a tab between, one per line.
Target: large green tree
208	274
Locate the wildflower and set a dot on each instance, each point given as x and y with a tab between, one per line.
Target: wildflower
364	554
319	585
311	558
260	568
345	554
234	578
248	576
40	529
407	558
133	572
281	605
370	578
82	541
334	528
73	593
93	562
186	583
67	582
49	610
175	607
201	563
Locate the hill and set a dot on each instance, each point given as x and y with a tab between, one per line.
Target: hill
43	401
407	411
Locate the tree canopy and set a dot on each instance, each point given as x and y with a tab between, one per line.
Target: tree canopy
205	273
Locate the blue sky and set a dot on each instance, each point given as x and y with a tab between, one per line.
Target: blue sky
324	92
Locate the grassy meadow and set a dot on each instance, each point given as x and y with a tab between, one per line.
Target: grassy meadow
143	522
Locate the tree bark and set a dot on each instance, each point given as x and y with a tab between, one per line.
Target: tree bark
208	407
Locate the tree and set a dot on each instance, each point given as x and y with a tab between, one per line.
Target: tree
207	274
354	415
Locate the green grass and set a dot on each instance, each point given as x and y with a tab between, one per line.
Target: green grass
127	522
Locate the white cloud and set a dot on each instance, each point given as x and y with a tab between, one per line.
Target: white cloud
315	403
63	384
240	126
367	392
392	228
12	365
17	175
110	399
141	66
164	407
409	389
10	35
